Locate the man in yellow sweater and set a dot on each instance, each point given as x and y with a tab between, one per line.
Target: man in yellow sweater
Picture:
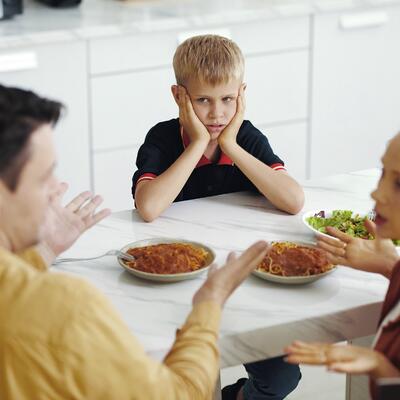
59	337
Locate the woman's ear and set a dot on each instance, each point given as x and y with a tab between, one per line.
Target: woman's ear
175	93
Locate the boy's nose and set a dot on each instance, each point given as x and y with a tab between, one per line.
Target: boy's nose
215	112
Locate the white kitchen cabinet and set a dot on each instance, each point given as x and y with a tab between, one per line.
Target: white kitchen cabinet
272	35
127	53
289	142
355	89
113	171
126	106
58	72
277	87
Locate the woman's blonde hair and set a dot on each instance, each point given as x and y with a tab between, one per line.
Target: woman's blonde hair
211	58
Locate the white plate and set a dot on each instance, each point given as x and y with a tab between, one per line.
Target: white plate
166	277
328	214
292	280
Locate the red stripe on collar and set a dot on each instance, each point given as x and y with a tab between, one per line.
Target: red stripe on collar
223	159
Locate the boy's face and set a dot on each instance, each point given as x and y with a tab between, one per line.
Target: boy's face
215	106
387	194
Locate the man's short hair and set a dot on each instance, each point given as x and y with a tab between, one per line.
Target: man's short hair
211	58
21	113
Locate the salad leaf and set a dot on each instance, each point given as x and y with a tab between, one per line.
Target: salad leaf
344	220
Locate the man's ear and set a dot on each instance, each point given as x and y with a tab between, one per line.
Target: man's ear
175	93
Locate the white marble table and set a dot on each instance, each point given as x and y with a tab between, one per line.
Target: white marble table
261	317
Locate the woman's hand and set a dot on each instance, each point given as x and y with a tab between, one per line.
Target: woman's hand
342	358
221	282
378	255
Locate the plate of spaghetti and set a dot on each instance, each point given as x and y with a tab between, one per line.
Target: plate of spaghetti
294	263
167	260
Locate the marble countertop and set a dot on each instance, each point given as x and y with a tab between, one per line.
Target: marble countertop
261	317
94	18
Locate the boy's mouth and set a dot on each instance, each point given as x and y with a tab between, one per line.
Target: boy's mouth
215	128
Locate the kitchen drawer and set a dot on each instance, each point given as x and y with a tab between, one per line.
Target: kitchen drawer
271	36
126	106
113	173
125	53
289	142
156	49
277	87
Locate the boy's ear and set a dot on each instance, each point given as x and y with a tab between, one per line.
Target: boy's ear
175	93
244	86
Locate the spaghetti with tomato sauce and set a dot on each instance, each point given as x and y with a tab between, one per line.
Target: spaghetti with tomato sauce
291	259
168	258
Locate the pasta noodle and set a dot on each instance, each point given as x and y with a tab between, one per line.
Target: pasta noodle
291	259
170	258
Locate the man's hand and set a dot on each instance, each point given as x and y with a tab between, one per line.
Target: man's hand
228	135
378	255
342	358
221	282
64	225
189	120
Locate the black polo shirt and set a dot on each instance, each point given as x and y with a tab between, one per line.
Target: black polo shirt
165	143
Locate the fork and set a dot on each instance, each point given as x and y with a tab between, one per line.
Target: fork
371	215
117	253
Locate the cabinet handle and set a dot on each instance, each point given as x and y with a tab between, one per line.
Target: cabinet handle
364	20
218	31
18	61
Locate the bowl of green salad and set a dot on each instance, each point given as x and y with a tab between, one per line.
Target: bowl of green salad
347	221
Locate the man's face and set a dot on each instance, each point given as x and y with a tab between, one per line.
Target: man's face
23	211
387	194
215	106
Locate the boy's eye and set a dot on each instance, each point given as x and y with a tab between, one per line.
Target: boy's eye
202	100
227	99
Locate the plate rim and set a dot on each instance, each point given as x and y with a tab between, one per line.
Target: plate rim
162	240
292	279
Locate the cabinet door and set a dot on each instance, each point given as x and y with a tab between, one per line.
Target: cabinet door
126	106
277	87
356	90
113	171
59	72
289	142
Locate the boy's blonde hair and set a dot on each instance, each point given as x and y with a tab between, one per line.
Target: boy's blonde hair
211	58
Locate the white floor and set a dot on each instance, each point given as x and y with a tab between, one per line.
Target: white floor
316	383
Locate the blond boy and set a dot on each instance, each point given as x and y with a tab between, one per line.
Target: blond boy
210	149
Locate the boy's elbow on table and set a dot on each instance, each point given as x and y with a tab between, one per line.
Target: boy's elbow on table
147	215
296	206
294	203
146	211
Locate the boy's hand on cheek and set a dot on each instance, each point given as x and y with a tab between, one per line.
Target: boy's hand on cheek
228	135
188	119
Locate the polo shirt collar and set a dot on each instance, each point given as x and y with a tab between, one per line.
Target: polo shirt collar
223	158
